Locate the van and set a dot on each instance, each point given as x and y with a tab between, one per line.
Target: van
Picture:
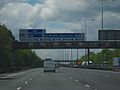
49	65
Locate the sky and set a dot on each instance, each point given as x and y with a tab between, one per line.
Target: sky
60	16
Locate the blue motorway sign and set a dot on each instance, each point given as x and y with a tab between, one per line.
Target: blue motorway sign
41	35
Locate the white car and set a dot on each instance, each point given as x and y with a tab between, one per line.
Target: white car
49	66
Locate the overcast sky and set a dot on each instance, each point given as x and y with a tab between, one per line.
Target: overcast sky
59	16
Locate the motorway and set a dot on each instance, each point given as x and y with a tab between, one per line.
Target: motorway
63	79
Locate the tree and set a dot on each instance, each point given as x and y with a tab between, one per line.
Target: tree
5	47
17	58
104	55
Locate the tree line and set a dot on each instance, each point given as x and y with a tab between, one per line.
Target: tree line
106	55
15	59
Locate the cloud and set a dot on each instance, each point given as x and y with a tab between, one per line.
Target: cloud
20	15
4	2
15	17
59	15
111	21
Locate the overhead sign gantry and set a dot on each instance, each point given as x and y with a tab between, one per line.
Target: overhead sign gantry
39	39
40	35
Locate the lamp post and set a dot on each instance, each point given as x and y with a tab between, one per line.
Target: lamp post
85	31
65	55
85	28
77	53
102	2
102	13
102	19
71	55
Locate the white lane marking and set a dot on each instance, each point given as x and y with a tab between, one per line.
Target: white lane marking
12	75
33	70
19	88
34	76
30	79
96	89
77	80
7	76
87	85
26	82
70	77
4	77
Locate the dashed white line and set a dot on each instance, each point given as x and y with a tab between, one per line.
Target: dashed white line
26	82
70	77
19	88
30	79
77	80
87	85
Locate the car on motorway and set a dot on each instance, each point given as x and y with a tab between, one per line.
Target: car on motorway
49	65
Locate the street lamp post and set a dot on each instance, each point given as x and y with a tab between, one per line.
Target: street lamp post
71	55
87	50
77	54
102	14
102	19
85	31
102	2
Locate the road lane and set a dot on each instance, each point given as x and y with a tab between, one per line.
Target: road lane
11	81
63	79
54	81
100	80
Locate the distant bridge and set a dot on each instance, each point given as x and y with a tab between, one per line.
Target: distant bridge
67	45
65	60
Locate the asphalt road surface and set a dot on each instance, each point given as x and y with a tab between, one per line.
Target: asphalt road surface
63	79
